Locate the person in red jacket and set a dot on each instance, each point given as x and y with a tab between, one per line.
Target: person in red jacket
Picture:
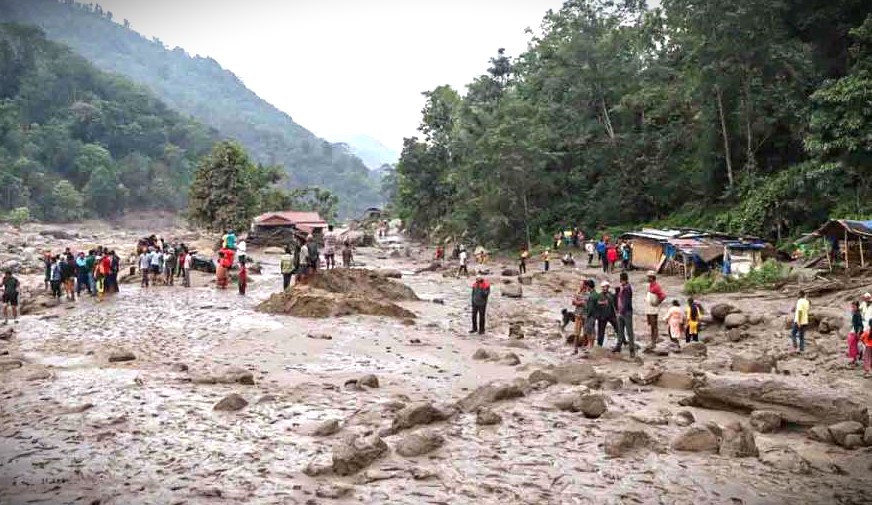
480	294
612	257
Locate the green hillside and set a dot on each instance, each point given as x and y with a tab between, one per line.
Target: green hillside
77	141
201	88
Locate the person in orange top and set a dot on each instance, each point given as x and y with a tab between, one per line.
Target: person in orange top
867	354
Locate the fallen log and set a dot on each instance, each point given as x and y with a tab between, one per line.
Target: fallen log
798	401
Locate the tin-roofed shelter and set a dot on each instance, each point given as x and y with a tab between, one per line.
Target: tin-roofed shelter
848	240
308	222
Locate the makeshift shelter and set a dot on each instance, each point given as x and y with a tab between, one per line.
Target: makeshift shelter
308	222
847	240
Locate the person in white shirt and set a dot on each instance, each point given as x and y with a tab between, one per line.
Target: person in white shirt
866	310
241	248
144	265
463	263
186	272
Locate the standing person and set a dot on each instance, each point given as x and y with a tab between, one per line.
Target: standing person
546	259
144	267
590	249
186	269
68	276
347	254
180	271
314	255
10	296
692	313
330	241
480	294
601	306
625	316
169	266
242	251
856	333
230	240
243	276
522	261
653	299
800	322
55	277
867	352
286	265
866	310
626	253
675	320
303	261
154	264
464	259
90	265
612	257
601	250
579	301
47	261
82	275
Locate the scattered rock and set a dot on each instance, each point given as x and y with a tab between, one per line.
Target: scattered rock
516	330
840	431
720	311
853	441
326	428
370	381
696	349
756	319
683	418
735	320
785	458
525	280
766	421
820	433
542	376
696	439
573	373
319	336
510	272
646	377
511	290
419	443
333	490
418	414
488	394
7	333
179	367
487	417
481	354
38	375
737	441
619	444
867	436
120	356
675	380
735	335
511	359
231	403
78	409
659	417
750	362
319	466
7	364
591	405
266	399
355	453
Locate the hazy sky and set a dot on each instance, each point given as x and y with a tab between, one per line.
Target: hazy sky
342	67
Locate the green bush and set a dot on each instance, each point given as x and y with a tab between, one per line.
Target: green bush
768	274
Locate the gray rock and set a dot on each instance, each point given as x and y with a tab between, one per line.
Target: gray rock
487	417
481	354
756	319
525	280
326	428
591	405
512	291
355	453
696	349
647	376
419	443
333	490
418	414
510	272
735	320
488	394
720	311
619	444
683	418
516	330
696	439
120	356
840	431
231	403
370	381
867	436
675	380
737	441
820	433
511	359
542	376
766	421
750	362
573	373
785	458
853	441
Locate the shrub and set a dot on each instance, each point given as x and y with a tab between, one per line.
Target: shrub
765	276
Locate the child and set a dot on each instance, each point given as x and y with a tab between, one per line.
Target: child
546	259
694	310
243	276
675	319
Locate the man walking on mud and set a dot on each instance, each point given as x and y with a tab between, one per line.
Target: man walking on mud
800	321
10	296
653	299
625	316
480	293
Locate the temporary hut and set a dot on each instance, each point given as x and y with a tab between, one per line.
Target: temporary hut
847	240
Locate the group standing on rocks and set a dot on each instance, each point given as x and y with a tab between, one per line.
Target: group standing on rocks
68	274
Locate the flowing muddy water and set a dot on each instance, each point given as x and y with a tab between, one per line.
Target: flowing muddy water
77	428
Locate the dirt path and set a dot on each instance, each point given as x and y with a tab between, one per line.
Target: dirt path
77	428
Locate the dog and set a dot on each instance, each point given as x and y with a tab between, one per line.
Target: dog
568	317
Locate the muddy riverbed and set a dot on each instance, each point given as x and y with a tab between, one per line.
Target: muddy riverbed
80	427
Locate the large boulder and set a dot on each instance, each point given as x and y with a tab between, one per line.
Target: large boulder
675	380
782	457
510	272
591	405
840	431
696	439
355	453
488	394
751	362
720	311
766	421
647	376
418	414
573	373
820	433
419	443
511	290
619	444
735	320
487	417
737	441
695	349
231	403
326	428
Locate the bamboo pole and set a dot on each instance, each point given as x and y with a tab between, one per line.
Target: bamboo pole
828	251
862	257
847	265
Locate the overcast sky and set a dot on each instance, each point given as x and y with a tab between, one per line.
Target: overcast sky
342	67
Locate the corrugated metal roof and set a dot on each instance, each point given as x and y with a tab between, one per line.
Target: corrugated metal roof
291	217
835	228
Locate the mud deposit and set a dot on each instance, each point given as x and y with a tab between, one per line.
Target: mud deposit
194	396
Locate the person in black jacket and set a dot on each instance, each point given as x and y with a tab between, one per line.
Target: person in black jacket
602	308
480	293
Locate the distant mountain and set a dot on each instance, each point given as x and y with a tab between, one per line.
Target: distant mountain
373	153
77	141
201	88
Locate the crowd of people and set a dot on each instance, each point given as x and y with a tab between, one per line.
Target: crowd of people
69	274
301	260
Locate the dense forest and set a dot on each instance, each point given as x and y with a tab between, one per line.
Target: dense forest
746	116
76	141
202	89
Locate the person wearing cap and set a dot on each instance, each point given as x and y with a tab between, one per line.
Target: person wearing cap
10	296
653	299
602	308
480	294
625	316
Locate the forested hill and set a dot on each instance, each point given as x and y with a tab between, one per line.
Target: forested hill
743	115
201	88
77	141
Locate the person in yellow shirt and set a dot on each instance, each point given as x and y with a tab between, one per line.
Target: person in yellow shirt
800	322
